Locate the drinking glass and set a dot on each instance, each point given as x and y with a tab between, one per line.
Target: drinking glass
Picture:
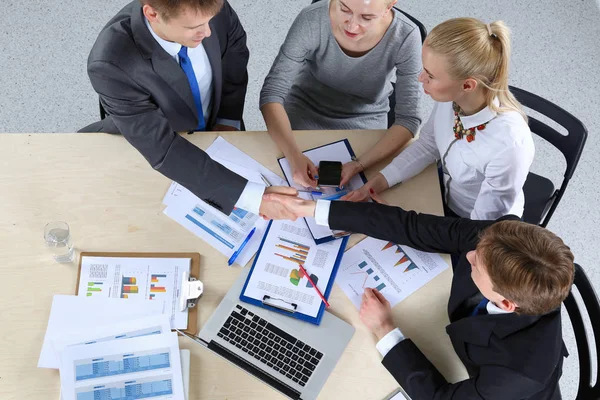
58	240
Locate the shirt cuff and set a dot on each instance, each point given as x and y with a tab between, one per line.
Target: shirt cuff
389	341
392	175
251	197
229	122
322	212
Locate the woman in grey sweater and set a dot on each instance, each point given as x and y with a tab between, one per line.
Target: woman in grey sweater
333	72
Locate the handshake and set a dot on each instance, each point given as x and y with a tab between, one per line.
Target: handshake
282	202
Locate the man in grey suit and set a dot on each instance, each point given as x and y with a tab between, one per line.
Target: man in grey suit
167	66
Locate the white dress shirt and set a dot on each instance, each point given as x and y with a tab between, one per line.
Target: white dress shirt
202	70
486	176
251	196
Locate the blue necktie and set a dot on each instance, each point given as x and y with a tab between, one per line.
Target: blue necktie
480	308
186	65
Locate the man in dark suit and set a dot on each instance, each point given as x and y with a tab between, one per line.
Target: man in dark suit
162	67
504	305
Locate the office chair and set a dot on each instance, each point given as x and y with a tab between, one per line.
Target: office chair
541	197
590	301
392	98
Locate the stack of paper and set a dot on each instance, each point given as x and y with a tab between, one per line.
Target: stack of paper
112	349
223	232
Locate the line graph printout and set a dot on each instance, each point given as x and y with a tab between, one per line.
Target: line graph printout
394	270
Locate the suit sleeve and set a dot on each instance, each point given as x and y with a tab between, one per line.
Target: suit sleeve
421	231
235	69
421	380
146	128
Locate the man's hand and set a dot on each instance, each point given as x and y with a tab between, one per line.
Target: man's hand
303	171
295	205
271	208
223	128
349	169
376	313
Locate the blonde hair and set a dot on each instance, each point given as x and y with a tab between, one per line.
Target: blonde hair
527	264
480	51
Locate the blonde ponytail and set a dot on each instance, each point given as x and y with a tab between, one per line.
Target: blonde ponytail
480	51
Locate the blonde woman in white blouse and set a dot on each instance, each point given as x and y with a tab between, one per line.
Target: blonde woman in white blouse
477	129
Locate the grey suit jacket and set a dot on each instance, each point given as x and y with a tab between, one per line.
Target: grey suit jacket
148	98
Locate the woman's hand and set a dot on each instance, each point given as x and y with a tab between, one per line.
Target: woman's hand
358	195
376	185
350	169
304	171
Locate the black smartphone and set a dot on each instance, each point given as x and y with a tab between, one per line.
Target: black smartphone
330	173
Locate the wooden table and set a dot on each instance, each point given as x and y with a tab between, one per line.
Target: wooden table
111	198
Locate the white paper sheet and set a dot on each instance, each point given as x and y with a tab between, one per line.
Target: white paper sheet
147	366
276	272
332	152
154	279
185	356
72	313
91	334
223	232
396	271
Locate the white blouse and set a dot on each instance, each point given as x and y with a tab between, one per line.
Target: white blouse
484	178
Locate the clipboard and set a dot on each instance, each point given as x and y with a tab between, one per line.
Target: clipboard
286	308
334	235
194	273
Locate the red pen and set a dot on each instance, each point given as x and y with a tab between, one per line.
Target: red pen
313	285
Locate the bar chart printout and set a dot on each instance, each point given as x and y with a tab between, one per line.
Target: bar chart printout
277	273
156	279
395	271
146	367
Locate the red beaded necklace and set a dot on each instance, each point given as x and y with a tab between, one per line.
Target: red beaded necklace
459	130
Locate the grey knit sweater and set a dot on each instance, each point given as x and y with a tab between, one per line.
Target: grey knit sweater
321	87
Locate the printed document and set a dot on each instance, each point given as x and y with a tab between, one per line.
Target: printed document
154	279
223	232
146	367
91	334
73	313
276	272
395	270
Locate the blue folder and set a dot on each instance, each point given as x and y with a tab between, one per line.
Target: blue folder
313	320
362	176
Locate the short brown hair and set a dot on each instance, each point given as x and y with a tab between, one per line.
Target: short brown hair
171	8
527	264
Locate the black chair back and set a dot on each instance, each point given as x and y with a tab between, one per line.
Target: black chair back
591	304
537	207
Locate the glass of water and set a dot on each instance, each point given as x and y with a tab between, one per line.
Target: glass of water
58	240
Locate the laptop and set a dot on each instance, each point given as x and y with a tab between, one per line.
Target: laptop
292	356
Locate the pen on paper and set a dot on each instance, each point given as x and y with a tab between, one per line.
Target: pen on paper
265	180
239	250
313	285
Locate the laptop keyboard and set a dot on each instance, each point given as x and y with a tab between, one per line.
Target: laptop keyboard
270	345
